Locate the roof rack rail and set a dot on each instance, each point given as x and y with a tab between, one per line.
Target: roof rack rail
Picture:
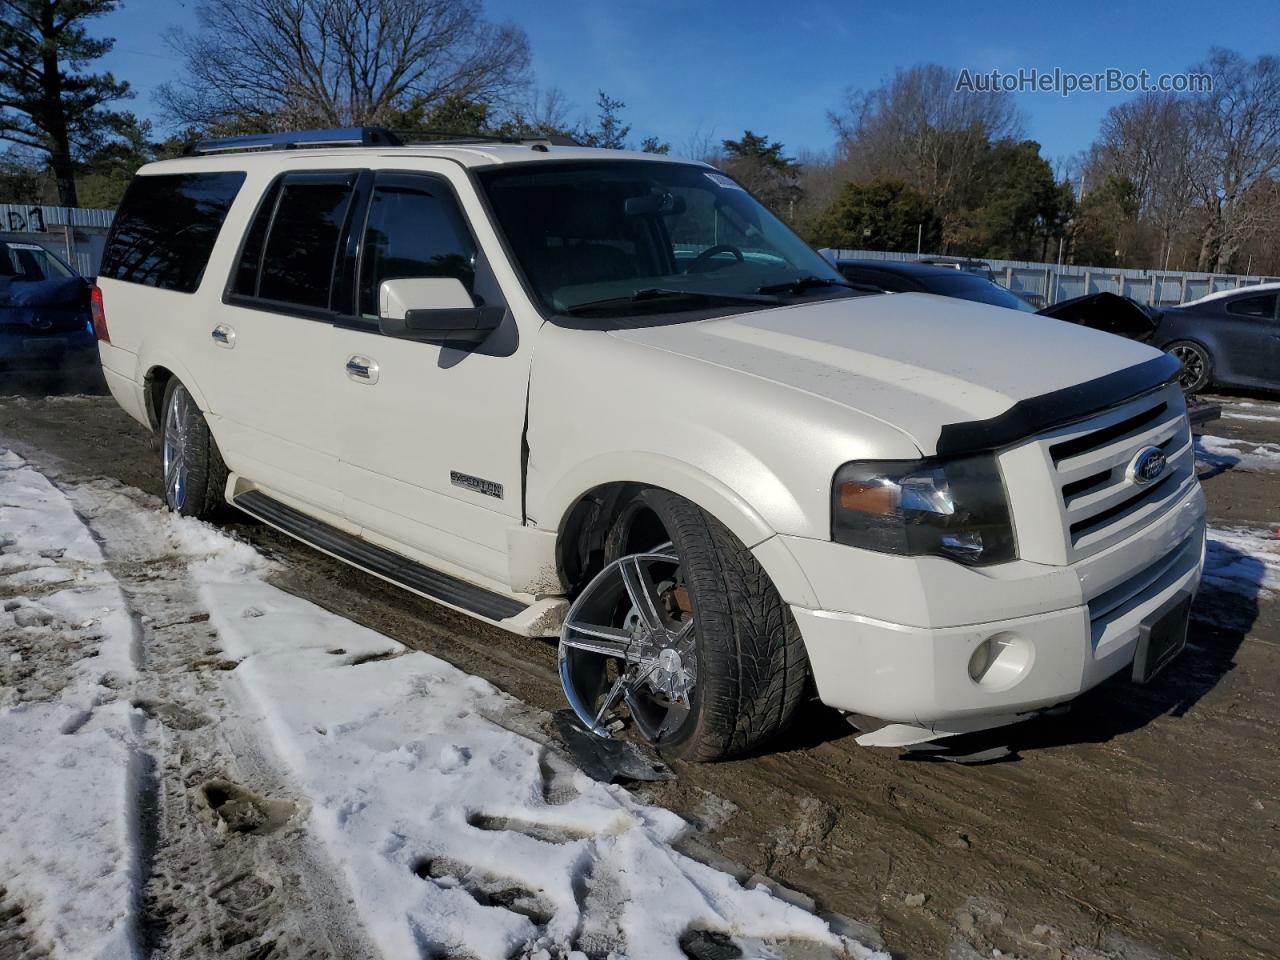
339	137
356	137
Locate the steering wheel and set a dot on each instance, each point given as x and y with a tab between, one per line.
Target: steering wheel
710	252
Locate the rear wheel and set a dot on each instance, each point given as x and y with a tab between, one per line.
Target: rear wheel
1197	365
684	631
194	475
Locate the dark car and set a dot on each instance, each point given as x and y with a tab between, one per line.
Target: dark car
1227	339
45	318
894	276
977	267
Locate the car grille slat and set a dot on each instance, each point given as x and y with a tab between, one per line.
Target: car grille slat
1100	502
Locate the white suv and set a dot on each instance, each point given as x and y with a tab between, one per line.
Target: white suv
608	396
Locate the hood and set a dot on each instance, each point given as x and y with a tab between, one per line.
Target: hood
1109	312
917	362
62	291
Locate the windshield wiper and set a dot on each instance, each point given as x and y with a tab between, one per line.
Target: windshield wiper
670	293
801	284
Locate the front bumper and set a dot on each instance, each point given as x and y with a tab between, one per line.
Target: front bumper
904	654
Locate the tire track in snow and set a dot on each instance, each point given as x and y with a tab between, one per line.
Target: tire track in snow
231	872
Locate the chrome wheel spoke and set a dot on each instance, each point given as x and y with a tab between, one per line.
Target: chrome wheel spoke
625	687
606	641
643	592
176	436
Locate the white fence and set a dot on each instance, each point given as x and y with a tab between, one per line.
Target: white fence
1057	283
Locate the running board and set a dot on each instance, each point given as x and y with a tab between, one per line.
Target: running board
380	561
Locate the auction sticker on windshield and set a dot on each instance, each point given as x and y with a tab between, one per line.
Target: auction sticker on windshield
721	180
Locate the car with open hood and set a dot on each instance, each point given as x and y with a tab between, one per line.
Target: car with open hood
609	397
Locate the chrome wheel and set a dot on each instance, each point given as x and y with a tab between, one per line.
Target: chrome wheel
630	639
177	437
1194	366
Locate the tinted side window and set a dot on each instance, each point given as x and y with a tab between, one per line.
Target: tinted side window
166	227
1263	306
414	229
246	276
302	245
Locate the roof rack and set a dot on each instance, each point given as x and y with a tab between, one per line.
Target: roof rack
355	137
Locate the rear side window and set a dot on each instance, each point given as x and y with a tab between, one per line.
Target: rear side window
414	229
166	227
1263	306
290	251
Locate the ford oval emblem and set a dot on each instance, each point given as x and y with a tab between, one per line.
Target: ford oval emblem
1147	466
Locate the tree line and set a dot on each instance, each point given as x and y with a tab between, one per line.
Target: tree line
1172	181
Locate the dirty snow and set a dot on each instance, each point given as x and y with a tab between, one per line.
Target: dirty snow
1243	560
454	832
1231	454
1256	417
68	741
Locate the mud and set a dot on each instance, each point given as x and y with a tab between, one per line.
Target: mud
1144	822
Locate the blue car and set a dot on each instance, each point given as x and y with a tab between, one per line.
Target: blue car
45	320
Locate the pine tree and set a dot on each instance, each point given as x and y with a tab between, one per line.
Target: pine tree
48	103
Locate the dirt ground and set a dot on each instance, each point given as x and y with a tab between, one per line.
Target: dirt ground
1143	823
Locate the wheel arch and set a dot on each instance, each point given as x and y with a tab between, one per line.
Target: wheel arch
584	516
155	380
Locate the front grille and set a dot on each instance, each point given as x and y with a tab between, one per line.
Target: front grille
1091	463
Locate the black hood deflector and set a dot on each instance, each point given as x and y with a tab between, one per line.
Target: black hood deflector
1035	415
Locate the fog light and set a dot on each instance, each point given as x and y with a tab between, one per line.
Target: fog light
1000	661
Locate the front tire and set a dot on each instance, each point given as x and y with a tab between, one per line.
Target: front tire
1197	365
728	668
195	477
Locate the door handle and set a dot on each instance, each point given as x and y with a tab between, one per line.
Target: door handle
224	336
362	370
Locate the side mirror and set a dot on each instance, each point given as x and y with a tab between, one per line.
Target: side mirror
434	310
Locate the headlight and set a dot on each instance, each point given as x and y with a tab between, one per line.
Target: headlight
946	508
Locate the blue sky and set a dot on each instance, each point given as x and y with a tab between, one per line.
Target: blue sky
686	67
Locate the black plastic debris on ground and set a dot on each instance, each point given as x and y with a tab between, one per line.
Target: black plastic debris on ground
708	945
607	760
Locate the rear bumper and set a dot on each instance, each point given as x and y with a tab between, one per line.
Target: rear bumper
35	349
118	366
1062	630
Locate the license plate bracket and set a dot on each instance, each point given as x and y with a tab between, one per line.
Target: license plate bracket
1161	638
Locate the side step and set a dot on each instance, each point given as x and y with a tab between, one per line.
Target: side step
379	560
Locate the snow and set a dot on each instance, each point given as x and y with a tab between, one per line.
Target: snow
1244	561
1256	417
454	831
1237	454
68	741
421	793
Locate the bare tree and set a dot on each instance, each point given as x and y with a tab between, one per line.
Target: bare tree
1235	150
293	63
1148	143
918	128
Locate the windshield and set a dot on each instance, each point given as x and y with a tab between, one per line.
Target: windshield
631	237
30	262
966	286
